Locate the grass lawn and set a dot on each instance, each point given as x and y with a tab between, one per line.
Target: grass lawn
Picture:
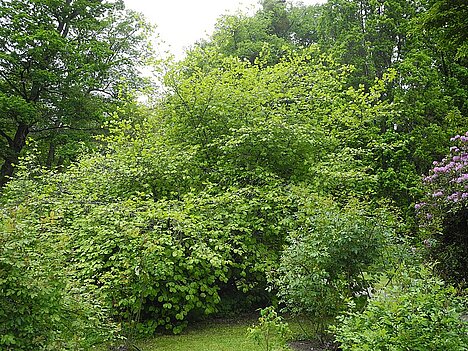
207	336
213	336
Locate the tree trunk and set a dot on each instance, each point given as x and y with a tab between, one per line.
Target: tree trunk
13	152
50	155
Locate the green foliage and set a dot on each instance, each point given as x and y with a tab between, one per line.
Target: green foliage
333	255
142	258
269	134
447	20
26	292
290	121
247	37
137	235
38	308
192	202
415	311
442	213
271	332
171	259
63	66
387	130
421	103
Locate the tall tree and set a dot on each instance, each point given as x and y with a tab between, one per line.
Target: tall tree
62	63
268	30
449	21
444	27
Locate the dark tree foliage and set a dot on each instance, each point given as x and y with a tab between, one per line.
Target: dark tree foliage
449	19
61	65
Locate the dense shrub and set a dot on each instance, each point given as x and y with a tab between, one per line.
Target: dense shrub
39	309
414	312
330	259
171	259
443	212
155	262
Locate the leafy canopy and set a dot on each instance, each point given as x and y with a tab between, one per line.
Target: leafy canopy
62	66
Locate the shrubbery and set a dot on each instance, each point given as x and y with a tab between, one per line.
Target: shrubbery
171	259
416	311
157	262
332	256
39	309
443	212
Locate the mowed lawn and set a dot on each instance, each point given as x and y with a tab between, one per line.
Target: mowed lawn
213	336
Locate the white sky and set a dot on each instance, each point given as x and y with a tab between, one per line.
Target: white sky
180	23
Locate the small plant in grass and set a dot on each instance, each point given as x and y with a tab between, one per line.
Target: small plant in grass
271	332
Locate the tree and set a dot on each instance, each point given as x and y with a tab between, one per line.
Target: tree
246	37
443	28
61	65
448	20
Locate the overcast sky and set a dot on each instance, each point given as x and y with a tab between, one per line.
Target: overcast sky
182	22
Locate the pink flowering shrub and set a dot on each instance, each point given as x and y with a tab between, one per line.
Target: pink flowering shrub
443	213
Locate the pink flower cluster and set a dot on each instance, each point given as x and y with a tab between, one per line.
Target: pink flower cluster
457	163
455	197
462	138
462	178
447	181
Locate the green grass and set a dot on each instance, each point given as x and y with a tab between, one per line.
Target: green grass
215	336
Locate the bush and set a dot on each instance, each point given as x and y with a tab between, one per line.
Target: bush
415	312
330	259
443	212
38	309
153	262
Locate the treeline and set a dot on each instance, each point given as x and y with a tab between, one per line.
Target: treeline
282	164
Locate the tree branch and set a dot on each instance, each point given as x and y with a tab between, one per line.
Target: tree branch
15	88
63	127
9	139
